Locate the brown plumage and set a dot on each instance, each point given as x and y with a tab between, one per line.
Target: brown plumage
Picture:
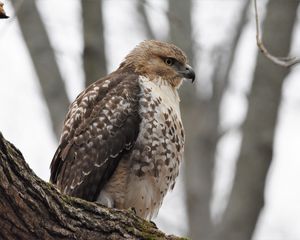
2	12
123	139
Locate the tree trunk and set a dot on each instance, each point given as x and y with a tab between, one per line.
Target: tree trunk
201	118
33	209
197	176
42	55
94	45
141	8
247	197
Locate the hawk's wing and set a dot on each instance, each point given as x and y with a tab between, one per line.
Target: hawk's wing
101	126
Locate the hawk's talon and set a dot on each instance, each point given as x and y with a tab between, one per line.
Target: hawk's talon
132	209
153	224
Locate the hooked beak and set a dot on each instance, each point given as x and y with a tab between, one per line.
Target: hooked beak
189	73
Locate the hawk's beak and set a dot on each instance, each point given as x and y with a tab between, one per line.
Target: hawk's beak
189	73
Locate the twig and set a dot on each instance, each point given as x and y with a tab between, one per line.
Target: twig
2	12
281	61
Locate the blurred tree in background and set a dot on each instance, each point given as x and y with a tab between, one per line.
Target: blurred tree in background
202	138
201	114
94	45
44	61
247	197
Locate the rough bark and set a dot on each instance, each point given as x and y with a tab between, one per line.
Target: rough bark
94	45
247	196
201	118
43	59
33	209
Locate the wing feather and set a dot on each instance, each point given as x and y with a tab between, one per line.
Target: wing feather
101	126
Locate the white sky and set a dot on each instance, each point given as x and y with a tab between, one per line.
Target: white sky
24	119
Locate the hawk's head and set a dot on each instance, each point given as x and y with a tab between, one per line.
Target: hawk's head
156	59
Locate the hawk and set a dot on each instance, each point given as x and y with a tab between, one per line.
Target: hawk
123	138
2	12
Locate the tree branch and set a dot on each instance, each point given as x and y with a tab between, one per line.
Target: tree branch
33	209
281	61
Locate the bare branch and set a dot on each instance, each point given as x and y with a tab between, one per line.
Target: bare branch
281	61
2	12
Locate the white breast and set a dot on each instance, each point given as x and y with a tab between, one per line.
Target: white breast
158	150
166	92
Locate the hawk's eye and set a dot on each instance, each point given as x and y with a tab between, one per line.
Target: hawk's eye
169	61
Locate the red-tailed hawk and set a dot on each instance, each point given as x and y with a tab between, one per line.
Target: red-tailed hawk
2	12
123	139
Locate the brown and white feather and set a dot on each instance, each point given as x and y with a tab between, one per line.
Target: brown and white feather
123	138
